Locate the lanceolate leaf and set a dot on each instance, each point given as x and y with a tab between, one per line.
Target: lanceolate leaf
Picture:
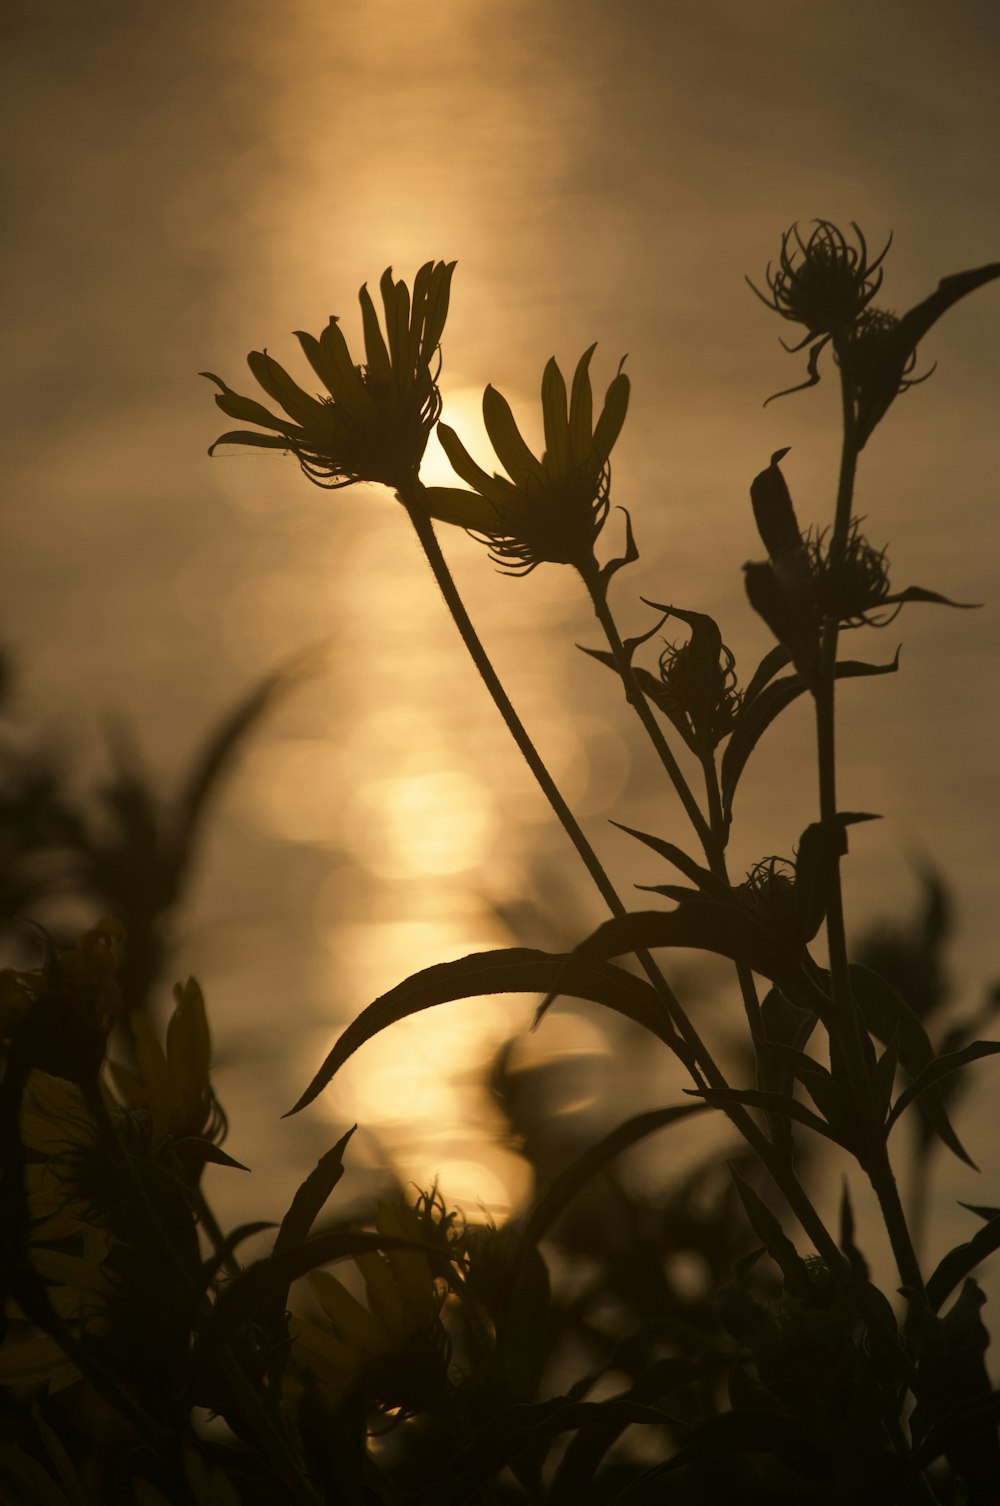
308	1202
920	593
699	924
758	713
514	970
884	1011
941	1066
553	1202
775	659
771	1103
702	877
882	386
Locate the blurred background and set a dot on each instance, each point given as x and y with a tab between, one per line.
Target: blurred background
185	183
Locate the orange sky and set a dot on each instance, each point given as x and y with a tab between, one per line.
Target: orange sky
187	182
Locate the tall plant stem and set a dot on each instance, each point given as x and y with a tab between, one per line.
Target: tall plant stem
694	1052
854	1039
710	832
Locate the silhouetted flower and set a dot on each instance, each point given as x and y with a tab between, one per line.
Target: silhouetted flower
172	1084
394	1350
550	509
704	695
826	284
374	424
849	587
822	283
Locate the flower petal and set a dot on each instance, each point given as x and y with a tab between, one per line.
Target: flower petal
396	301
438	294
246	436
581	411
556	421
495	489
235	406
377	357
351	1321
609	425
505	437
449	504
278	384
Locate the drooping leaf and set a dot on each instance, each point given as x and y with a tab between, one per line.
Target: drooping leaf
884	1011
699	924
774	660
511	970
958	1263
941	1066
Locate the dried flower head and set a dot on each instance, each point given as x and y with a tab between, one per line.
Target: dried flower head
850	585
550	509
375	421
825	282
769	892
704	694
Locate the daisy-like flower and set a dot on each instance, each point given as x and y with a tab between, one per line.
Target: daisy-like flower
550	509
171	1084
373	421
68	1248
394	1349
85	1235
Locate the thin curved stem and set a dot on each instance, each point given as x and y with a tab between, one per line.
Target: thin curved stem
694	1052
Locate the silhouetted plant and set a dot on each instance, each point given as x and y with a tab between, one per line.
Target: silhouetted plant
461	1362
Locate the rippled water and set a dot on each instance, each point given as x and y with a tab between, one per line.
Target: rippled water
191	183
